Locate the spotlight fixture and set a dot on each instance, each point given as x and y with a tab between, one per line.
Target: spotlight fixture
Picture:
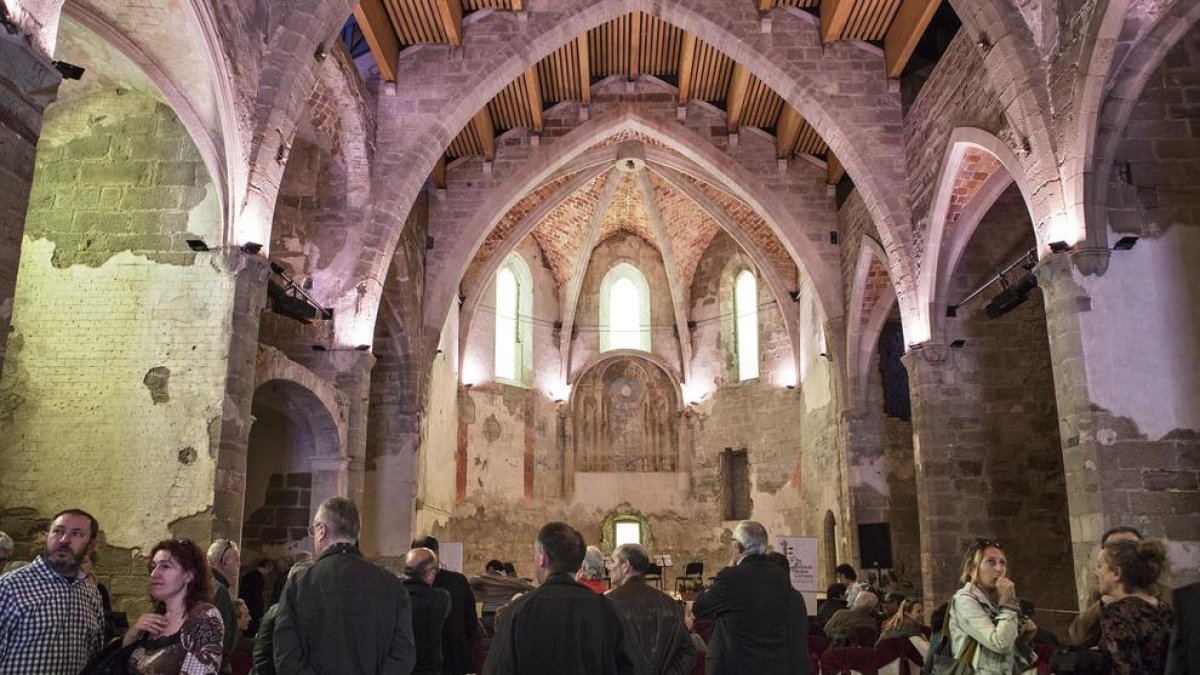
197	245
1125	243
958	344
790	386
320	53
468	385
1011	297
1059	246
251	247
318	348
794	295
69	71
362	348
951	311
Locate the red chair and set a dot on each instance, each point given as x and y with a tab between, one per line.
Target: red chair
817	644
901	651
1045	654
698	669
848	660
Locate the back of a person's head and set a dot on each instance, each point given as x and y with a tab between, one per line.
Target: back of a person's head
895	597
593	563
846	571
1120	530
510	569
1141	562
866	601
298	567
937	620
419	561
494	566
836	591
751	536
428	541
340	516
779	560
635	555
563	546
219	550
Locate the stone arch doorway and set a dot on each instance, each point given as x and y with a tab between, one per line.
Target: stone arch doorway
294	461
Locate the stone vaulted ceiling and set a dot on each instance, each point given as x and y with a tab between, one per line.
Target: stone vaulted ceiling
646	201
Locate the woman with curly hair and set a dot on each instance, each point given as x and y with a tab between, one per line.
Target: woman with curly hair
183	635
1135	627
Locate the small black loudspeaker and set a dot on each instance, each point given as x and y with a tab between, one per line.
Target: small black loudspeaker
875	545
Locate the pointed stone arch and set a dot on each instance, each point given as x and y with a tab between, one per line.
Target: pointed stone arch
865	319
945	241
422	137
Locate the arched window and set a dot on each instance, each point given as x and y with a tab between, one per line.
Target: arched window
514	297
745	307
624	309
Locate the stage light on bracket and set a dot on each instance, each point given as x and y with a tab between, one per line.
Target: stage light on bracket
794	295
251	248
1059	246
197	245
69	71
958	344
1125	243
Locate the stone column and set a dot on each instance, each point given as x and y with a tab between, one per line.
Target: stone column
28	83
233	431
350	371
1116	472
949	451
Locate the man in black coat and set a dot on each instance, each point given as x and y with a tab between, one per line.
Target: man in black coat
430	607
751	604
1184	654
462	632
561	626
343	615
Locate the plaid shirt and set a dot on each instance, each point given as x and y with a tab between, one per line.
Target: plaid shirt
48	624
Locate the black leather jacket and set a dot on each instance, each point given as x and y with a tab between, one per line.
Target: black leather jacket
656	625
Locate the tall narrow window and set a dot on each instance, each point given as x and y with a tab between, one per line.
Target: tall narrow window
514	297
624	309
745	304
507	306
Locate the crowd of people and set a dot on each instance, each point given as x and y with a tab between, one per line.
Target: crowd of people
586	613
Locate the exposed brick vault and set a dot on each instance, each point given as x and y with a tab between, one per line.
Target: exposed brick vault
154	370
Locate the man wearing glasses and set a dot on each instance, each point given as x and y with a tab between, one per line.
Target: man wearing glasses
51	618
225	561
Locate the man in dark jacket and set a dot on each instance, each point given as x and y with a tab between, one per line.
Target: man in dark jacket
462	631
561	626
224	560
655	621
430	607
343	614
750	602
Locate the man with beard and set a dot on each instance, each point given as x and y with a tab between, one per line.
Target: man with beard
51	618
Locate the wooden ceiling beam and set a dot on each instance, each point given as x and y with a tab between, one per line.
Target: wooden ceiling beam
835	169
486	133
516	5
906	30
585	69
376	28
787	130
450	13
765	5
834	15
687	56
735	100
635	46
533	93
439	173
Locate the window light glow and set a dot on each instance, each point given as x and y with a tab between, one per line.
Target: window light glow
506	323
745	303
625	317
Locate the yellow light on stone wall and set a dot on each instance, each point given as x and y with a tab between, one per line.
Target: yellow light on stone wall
1063	227
694	392
473	372
254	223
559	392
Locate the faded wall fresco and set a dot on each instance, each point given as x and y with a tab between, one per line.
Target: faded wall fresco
624	417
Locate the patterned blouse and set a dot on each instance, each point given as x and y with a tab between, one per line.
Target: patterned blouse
1135	635
194	650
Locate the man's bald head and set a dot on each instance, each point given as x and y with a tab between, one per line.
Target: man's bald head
421	563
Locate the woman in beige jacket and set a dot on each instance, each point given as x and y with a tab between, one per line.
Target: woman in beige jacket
985	611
